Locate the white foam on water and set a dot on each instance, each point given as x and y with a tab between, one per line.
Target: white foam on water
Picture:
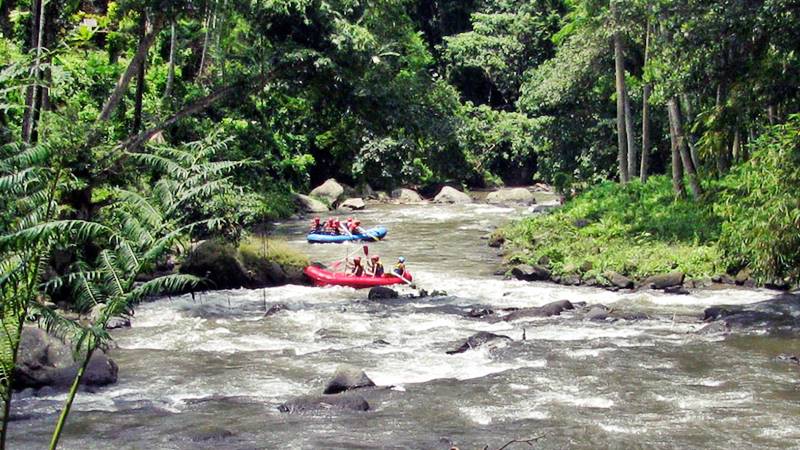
618	429
414	366
583	353
483	415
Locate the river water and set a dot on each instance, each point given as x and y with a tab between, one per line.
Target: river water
209	372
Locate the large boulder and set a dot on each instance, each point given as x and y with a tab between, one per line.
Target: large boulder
527	272
404	195
310	205
664	281
216	261
452	195
330	191
315	403
508	196
46	361
477	340
353	204
346	379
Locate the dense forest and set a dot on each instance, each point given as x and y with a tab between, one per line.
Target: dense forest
128	126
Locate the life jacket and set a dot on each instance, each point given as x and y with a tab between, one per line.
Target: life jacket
377	269
358	270
400	268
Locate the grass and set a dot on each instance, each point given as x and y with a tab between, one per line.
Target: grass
637	230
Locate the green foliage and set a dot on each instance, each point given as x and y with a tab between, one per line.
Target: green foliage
759	205
634	229
255	252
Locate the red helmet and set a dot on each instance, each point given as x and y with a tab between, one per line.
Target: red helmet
316	219
375	257
357	259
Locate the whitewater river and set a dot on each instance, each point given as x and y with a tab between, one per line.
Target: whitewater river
210	372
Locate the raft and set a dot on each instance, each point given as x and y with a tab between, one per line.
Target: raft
373	234
324	277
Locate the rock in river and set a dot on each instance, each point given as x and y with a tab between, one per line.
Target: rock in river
311	403
353	204
452	195
507	196
527	272
550	309
330	191
619	280
406	196
381	293
310	205
664	281
478	339
346	379
45	361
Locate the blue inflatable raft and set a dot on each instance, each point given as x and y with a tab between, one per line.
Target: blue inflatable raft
373	234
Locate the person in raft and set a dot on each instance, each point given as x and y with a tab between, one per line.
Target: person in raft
400	267
316	226
356	268
329	225
336	227
355	227
375	267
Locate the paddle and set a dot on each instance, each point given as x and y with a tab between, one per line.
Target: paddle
336	264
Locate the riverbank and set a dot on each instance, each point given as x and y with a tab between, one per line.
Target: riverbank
621	235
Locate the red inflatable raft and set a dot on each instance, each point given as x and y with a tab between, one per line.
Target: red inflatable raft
323	277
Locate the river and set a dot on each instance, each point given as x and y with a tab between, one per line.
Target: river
210	372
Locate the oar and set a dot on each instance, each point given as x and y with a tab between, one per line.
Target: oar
337	263
404	279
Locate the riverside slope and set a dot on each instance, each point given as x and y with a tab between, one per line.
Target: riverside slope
211	373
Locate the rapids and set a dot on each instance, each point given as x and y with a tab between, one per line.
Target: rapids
209	372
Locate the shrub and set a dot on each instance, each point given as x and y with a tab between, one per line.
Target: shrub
760	204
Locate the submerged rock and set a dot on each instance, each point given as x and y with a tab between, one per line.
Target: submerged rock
346	379
275	309
315	403
45	361
451	195
477	340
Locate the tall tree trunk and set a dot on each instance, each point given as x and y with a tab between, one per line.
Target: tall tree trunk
646	112
687	106
724	156
171	69
125	79
677	169
619	72
683	147
206	40
736	148
137	109
633	154
32	98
